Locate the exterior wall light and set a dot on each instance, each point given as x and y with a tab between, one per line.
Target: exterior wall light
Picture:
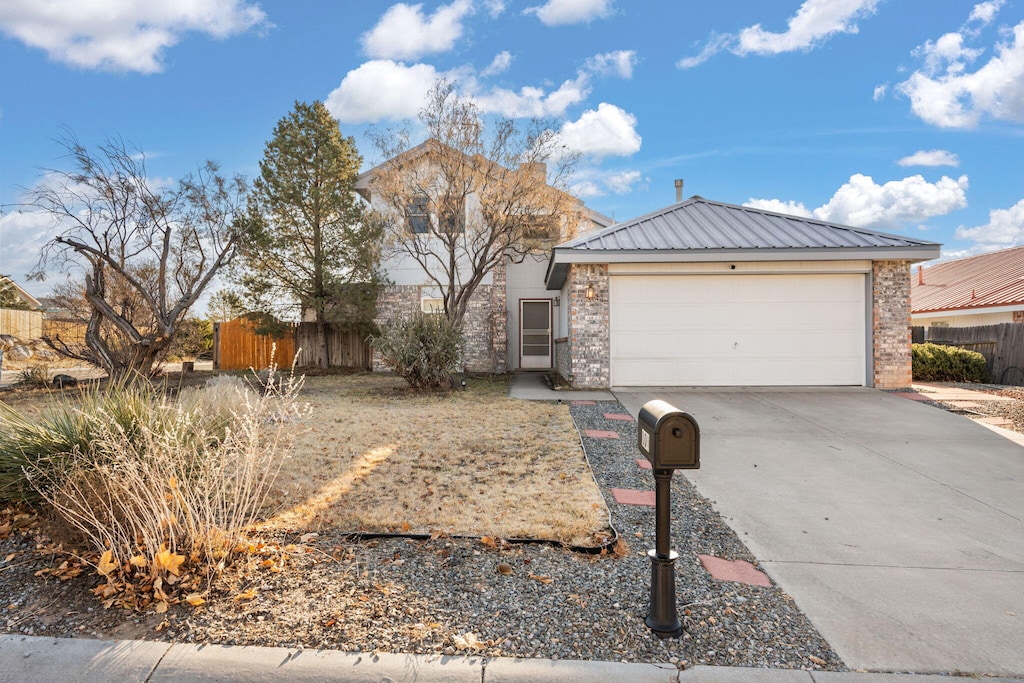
590	292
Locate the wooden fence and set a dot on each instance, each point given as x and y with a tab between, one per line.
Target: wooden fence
1001	345
69	331
24	325
345	349
236	346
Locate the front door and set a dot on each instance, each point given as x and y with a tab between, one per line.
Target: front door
535	333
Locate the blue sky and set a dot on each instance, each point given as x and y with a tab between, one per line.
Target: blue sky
900	115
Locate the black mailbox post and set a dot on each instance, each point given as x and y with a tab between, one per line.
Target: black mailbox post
670	440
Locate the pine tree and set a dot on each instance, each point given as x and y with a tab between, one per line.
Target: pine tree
309	244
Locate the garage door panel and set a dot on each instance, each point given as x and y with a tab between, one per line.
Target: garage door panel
738	330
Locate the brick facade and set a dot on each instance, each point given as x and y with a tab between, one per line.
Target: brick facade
890	315
484	336
588	333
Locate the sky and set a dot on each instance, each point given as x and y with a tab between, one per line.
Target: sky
905	116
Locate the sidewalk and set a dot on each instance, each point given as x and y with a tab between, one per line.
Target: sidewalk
30	659
531	386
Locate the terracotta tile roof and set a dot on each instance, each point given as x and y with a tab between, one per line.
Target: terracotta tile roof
982	281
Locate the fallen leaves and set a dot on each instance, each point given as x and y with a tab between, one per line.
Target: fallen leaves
546	580
505	569
107	565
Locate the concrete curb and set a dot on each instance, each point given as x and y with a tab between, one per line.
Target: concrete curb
33	659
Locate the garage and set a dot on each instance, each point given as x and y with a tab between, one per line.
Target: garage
737	330
704	293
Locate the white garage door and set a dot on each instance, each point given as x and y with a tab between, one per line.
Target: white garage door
735	330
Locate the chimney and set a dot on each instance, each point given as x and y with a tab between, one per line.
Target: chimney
679	190
920	275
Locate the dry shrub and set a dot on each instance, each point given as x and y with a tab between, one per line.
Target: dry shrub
186	476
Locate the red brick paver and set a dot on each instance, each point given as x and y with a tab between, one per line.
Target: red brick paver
601	434
734	570
584	403
913	396
643	463
633	497
618	416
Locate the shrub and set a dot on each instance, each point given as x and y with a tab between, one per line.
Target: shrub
423	349
35	376
139	473
932	362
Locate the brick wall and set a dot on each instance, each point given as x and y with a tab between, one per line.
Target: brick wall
483	334
563	359
891	324
588	326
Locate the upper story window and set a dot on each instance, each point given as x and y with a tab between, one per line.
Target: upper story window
417	214
452	217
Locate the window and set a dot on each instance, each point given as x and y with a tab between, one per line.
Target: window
417	214
542	228
432	306
452	217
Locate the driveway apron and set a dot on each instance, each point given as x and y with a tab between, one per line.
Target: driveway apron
897	527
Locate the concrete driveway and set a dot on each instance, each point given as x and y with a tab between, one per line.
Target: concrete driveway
897	527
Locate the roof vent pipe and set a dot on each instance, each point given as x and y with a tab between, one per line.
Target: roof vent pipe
679	190
920	275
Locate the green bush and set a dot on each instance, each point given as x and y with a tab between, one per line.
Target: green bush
932	362
423	349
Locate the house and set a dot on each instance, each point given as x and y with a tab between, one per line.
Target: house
987	289
20	293
703	293
510	318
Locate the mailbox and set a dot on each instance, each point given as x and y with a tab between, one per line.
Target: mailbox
669	438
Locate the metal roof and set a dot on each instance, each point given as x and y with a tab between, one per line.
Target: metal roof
702	230
698	223
983	281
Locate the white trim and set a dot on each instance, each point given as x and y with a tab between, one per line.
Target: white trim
741	268
956	312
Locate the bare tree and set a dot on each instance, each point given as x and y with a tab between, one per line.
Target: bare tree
147	252
471	195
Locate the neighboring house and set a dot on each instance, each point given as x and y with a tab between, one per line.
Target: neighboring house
510	322
703	293
987	289
22	294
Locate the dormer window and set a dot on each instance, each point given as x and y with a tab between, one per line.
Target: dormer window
417	214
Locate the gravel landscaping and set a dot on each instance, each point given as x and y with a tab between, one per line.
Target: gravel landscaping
453	596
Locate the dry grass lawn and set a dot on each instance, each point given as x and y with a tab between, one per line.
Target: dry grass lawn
376	457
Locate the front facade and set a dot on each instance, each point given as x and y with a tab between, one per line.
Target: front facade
511	319
709	294
987	289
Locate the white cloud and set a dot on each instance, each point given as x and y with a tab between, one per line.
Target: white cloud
931	157
778	206
1005	228
501	62
495	8
606	131
944	93
404	32
557	12
22	236
861	202
880	91
381	90
596	183
815	22
619	63
985	12
122	36
533	101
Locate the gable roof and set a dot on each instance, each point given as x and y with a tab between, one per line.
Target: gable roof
983	281
699	229
25	296
425	148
